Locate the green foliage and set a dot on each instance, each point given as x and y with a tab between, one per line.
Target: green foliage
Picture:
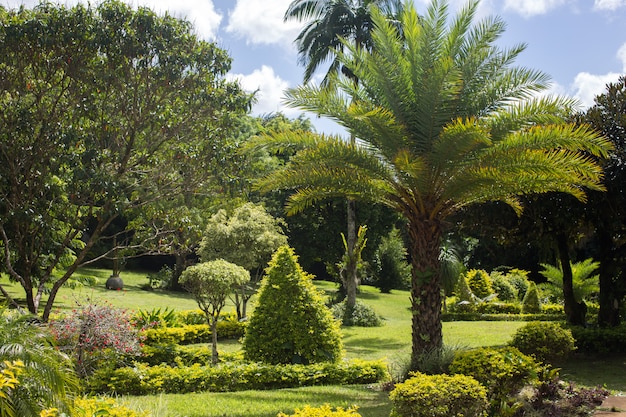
160	279
610	340
323	411
142	379
177	355
194	333
362	314
464	293
503	287
290	323
198	317
474	316
439	396
519	280
546	341
109	407
479	283
246	237
390	266
156	317
583	280
531	303
41	376
503	371
499	308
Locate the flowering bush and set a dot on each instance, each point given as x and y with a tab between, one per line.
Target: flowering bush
95	334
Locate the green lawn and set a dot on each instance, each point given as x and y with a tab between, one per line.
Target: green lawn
392	342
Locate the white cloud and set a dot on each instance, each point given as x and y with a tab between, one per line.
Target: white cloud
608	4
529	8
269	89
587	86
261	22
201	13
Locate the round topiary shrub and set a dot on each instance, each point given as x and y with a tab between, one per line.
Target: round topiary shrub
362	314
531	303
439	396
501	286
503	371
546	341
290	323
479	282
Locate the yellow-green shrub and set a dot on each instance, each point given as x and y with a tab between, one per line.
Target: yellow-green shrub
503	371
546	341
439	396
479	282
323	411
194	333
89	407
142	379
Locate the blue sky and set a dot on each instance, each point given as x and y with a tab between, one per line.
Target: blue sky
581	44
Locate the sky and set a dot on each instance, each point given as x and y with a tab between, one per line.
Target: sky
580	44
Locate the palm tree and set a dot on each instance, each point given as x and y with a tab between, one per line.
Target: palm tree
330	24
46	377
445	121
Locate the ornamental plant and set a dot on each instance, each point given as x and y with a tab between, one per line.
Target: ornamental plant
291	324
94	335
479	282
546	341
323	411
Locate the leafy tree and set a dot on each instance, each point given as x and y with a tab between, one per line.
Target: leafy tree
104	110
246	237
391	268
211	283
290	323
435	137
607	210
45	378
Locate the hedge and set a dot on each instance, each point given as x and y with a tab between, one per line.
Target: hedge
500	317
600	340
193	333
144	380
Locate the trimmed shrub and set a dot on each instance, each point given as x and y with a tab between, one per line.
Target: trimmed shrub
290	323
144	380
519	280
362	315
499	308
600	340
323	411
439	396
196	333
176	355
556	309
479	282
88	407
531	303
499	317
503	287
546	341
503	371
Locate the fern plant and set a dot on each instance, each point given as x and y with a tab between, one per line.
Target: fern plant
585	282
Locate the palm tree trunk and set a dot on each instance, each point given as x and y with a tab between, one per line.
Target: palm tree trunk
351	267
426	299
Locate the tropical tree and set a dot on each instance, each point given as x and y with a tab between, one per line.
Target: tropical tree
43	376
444	120
330	25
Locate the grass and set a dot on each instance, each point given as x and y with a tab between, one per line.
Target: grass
392	342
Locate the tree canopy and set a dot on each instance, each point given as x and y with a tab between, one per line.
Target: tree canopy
104	109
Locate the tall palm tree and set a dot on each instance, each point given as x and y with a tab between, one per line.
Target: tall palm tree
445	120
330	24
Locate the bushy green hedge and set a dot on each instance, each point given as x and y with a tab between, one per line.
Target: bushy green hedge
439	396
176	355
194	333
503	371
500	317
546	341
600	340
498	308
144	380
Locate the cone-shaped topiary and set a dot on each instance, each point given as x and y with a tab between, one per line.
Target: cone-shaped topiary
531	303
479	282
290	323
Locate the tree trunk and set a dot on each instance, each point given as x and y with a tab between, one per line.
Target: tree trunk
609	296
214	354
575	311
351	276
179	266
426	299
